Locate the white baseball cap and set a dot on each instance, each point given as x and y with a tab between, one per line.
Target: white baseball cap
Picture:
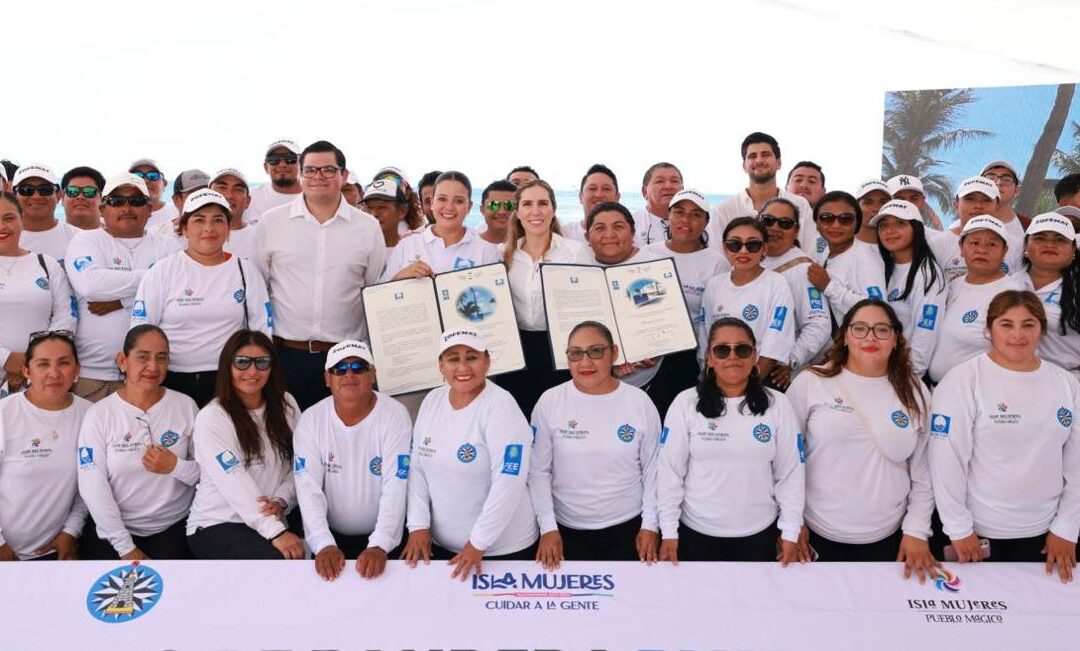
1052	222
1001	163
228	171
873	185
977	184
352	180
396	171
385	189
141	162
122	179
690	194
904	182
900	209
986	223
34	170
205	197
346	349
286	143
1069	211
463	337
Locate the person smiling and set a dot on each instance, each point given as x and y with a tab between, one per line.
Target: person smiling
497	204
82	188
662	181
39	193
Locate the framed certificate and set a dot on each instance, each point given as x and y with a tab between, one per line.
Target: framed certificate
642	303
406	317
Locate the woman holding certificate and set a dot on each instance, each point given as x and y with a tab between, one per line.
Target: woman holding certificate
534	238
592	476
470	459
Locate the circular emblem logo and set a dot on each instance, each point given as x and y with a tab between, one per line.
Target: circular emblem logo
750	312
238	296
894	294
375	466
124	594
626	433
900	419
1064	417
169	439
821	244
970	316
946	581
42	283
466	453
762	433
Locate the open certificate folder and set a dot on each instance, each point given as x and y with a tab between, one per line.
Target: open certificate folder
642	303
405	319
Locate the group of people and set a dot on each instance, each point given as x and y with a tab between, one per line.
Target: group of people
191	379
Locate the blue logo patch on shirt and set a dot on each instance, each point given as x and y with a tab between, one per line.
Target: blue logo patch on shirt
239	296
42	283
663	436
750	312
82	262
778	318
815	298
900	419
74	307
939	424
86	458
269	314
169	439
894	294
463	263
512	459
228	461
1065	417
138	309
1052	298
970	316
800	441
375	466
626	433
873	291
1005	268
403	466
466	453
299	465
929	317
821	244
762	432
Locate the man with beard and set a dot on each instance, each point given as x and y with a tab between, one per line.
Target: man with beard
148	170
82	188
761	161
662	182
282	164
496	204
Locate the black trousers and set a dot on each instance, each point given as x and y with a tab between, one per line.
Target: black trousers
197	386
696	546
528	554
231	541
352	546
539	374
615	543
882	551
303	375
678	372
167	545
1018	550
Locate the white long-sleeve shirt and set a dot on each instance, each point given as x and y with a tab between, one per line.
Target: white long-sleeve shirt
426	246
124	498
765	304
468	472
946	247
855	493
813	323
101	267
1061	349
741	205
353	480
919	312
315	272
39	495
229	488
1005	451
30	301
695	269
199	307
855	274
962	327
526	290
53	242
732	476
593	458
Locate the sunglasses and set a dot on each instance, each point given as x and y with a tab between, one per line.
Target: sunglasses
785	223
291	159
723	351
66	335
149	176
120	200
753	246
493	206
243	362
29	190
578	354
326	171
845	219
358	367
87	191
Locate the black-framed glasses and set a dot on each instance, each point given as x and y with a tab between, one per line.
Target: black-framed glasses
753	246
326	171
785	223
1001	179
289	159
116	201
723	351
149	176
493	206
358	367
63	334
594	352
881	331
88	191
845	219
29	190
243	362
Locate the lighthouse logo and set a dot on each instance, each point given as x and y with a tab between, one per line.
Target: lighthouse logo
124	594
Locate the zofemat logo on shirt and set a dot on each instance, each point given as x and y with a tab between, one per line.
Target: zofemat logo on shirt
228	461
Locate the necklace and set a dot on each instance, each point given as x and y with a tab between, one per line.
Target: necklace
54	424
10	269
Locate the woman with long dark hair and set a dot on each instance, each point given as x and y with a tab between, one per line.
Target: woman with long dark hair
243	444
1052	271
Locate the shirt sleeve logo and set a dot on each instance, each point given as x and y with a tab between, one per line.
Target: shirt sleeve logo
1065	417
512	459
929	317
86	458
663	436
779	316
299	465
873	291
138	309
939	424
800	441
228	461
815	298
239	296
269	314
403	466
82	262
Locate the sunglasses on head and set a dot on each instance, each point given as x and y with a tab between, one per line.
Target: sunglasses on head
29	190
87	191
149	176
119	200
845	219
358	367
578	354
753	246
493	206
785	223
243	362
723	351
67	335
290	159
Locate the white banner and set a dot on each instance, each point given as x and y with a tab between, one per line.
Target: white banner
285	605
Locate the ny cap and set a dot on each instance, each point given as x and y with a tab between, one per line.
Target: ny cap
904	182
346	349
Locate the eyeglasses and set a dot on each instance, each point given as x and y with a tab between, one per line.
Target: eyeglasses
578	354
753	246
493	206
881	330
120	200
723	351
290	159
87	191
358	367
327	171
1001	179
29	190
243	362
785	223
63	334
845	219
149	176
